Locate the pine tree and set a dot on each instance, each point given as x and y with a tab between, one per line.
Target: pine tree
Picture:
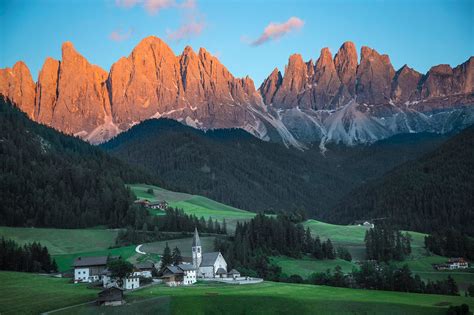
166	258
176	256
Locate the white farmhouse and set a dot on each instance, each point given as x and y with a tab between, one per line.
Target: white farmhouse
207	265
89	269
144	270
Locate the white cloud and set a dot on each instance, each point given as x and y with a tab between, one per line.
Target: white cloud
277	30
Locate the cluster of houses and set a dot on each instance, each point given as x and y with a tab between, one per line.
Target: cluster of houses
206	266
156	205
452	264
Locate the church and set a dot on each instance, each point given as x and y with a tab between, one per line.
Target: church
208	265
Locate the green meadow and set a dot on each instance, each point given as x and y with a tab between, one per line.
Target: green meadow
194	204
274	298
23	293
63	241
306	266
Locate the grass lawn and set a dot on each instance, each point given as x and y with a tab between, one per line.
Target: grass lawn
65	261
306	266
63	241
193	204
184	245
23	293
277	298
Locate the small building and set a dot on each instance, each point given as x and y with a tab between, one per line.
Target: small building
144	269
458	263
364	223
131	282
182	274
233	274
90	269
111	296
142	202
161	205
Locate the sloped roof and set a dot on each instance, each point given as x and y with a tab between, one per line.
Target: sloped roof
196	239
186	267
208	259
174	269
90	261
234	272
145	265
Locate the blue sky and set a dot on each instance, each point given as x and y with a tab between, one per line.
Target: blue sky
419	33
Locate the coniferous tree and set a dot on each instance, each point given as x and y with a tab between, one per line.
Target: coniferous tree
176	256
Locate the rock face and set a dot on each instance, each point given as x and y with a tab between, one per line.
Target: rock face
17	85
335	99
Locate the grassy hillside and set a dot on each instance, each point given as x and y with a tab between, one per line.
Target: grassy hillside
306	266
277	298
193	204
63	241
23	293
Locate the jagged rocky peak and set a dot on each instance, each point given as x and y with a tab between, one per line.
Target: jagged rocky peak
405	85
438	82
270	85
326	81
374	77
464	77
346	63
46	90
17	84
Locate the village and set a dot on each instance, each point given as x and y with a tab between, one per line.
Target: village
201	266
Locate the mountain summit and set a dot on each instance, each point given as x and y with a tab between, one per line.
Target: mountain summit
334	99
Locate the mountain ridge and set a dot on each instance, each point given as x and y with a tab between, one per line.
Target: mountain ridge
335	99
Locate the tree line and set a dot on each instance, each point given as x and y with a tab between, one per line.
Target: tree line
49	179
264	236
384	243
31	257
450	243
383	276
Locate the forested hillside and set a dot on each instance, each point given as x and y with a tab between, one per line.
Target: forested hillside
50	179
433	193
233	167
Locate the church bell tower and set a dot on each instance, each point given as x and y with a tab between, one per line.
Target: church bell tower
197	250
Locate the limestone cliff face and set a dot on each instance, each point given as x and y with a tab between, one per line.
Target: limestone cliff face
374	77
336	98
17	85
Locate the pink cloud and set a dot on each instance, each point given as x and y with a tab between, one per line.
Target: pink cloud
277	30
118	36
187	30
153	6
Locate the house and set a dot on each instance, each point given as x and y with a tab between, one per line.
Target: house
364	223
233	274
131	282
161	205
142	202
458	263
128	283
90	269
144	270
182	274
207	265
110	296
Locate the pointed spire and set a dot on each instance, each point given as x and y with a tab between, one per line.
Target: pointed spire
196	239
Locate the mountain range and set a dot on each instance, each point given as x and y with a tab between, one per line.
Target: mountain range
338	99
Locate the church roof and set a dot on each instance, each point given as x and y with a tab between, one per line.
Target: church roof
208	259
196	239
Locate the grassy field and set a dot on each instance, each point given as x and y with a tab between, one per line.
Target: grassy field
193	204
184	245
276	298
63	241
306	266
23	293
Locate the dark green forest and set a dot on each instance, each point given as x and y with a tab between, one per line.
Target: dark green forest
433	193
31	257
235	168
48	179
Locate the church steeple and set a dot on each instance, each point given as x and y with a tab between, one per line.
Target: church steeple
197	249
